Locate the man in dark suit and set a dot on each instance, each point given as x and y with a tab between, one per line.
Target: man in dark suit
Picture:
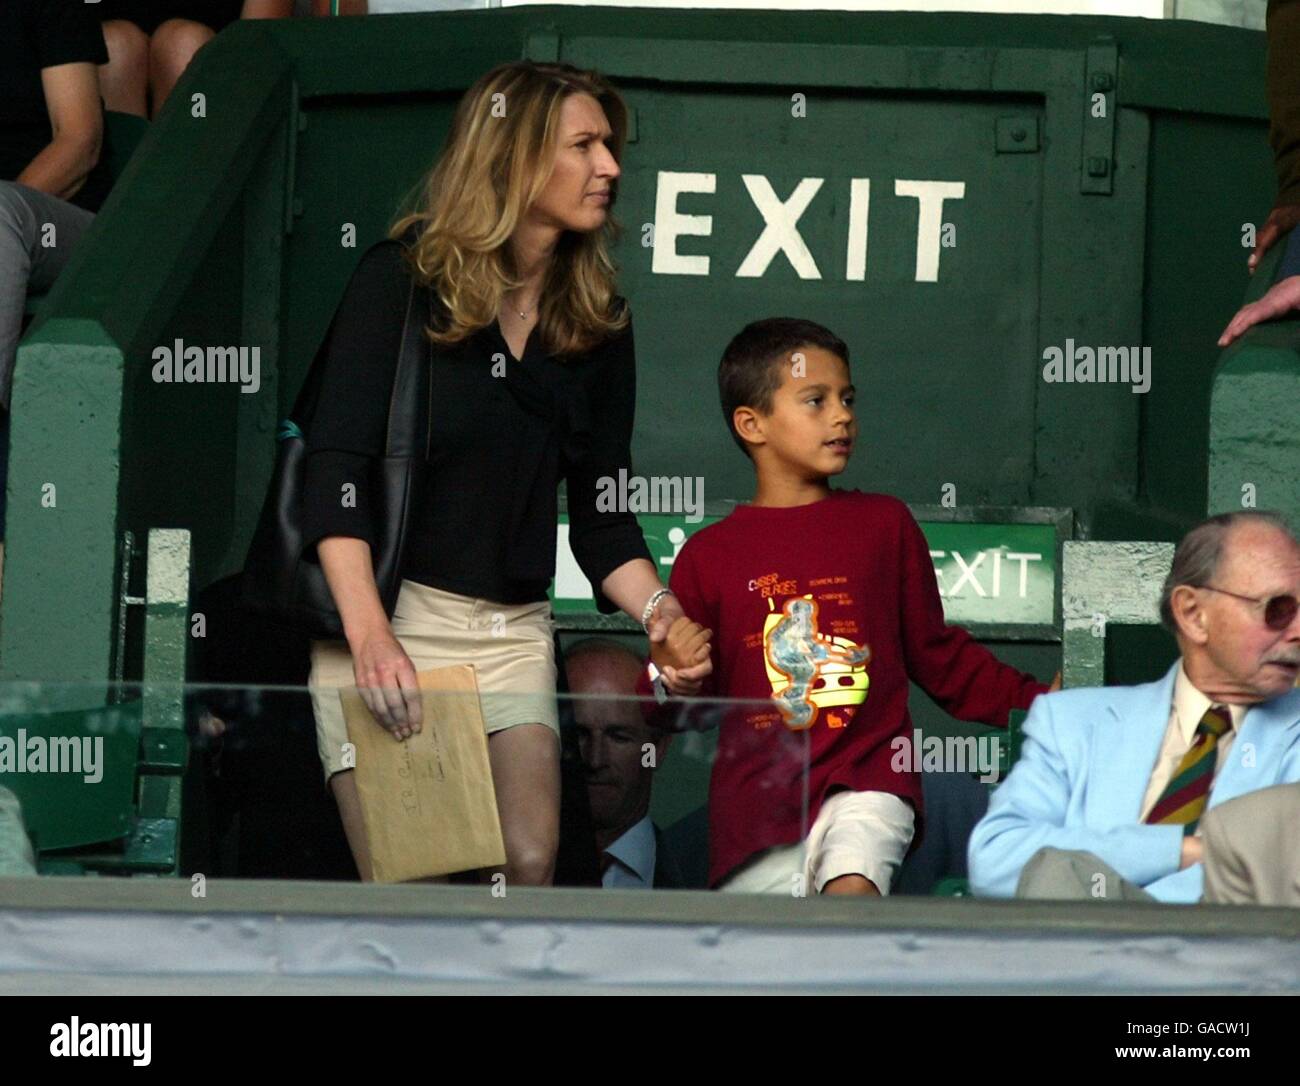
620	753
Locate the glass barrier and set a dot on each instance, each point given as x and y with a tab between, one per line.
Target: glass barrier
247	781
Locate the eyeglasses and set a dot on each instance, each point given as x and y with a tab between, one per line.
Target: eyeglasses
1279	611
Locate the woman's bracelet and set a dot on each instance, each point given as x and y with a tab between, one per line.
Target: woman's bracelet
650	606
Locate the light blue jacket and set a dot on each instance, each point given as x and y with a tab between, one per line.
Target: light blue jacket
1084	770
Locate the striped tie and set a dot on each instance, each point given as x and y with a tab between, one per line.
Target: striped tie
1184	798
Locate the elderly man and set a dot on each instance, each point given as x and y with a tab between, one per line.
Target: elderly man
1112	782
620	754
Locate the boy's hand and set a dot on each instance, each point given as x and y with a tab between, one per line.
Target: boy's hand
685	645
1056	684
682	656
678	685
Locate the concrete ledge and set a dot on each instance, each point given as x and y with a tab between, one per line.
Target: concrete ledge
151	935
652	906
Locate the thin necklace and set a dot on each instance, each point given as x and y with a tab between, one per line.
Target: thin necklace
523	315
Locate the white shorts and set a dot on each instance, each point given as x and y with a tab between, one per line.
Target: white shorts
856	833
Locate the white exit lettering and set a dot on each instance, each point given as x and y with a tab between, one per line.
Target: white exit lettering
780	224
968	572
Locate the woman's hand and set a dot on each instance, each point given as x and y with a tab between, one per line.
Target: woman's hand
675	637
383	671
386	678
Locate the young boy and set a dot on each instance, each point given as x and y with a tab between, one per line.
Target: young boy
823	603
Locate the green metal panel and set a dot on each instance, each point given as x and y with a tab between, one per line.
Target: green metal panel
69	809
108	776
226	229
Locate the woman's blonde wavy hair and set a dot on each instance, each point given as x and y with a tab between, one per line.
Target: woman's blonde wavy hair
490	171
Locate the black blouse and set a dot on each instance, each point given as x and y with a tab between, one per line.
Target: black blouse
500	446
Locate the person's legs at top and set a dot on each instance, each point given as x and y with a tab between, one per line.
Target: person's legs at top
38	233
124	80
171	49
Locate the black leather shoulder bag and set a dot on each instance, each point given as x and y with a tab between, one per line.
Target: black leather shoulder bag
283	584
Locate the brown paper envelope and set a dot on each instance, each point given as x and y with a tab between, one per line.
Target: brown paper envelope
427	802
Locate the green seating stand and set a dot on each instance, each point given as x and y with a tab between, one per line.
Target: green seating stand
127	819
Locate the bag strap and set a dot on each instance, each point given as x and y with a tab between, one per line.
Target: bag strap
406	401
401	436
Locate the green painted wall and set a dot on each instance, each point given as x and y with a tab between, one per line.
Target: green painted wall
225	230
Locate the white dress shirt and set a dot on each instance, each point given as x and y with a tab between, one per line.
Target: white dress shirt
634	855
1188	707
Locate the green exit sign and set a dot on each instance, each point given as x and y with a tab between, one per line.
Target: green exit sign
994	568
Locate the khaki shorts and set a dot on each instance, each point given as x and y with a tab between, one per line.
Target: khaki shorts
856	833
511	646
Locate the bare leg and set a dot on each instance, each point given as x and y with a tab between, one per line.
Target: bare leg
124	80
526	774
852	884
344	787
171	49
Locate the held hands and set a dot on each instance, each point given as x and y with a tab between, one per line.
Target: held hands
679	648
682	656
386	680
1193	852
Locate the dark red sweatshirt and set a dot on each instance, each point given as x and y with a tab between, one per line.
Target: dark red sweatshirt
824	611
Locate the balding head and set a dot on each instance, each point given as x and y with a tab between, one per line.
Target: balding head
598	665
613	736
1216	601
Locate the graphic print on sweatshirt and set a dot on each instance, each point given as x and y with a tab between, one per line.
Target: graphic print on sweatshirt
810	670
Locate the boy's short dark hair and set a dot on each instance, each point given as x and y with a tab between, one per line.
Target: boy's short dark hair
749	373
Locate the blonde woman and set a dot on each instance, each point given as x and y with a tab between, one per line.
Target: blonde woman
534	384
